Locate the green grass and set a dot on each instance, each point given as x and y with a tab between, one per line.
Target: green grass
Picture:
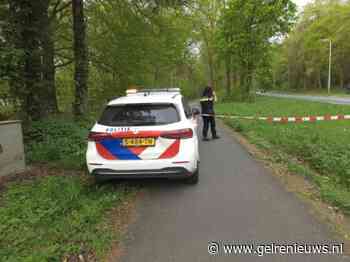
319	92
323	146
266	106
52	217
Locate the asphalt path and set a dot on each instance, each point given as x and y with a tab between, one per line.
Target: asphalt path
323	99
237	200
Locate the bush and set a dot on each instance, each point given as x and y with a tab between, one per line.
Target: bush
6	113
58	142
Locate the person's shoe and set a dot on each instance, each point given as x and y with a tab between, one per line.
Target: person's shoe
205	139
216	137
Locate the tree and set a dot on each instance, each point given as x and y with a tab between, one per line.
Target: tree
8	55
304	54
80	57
25	35
29	58
205	17
247	27
132	44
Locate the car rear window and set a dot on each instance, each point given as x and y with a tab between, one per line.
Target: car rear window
139	115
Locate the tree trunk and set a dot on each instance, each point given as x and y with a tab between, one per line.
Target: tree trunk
238	79
14	38
48	61
319	79
248	78
289	74
156	76
123	81
228	76
211	66
26	24
341	78
81	58
28	20
210	58
32	68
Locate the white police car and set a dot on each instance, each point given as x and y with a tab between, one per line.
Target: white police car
145	134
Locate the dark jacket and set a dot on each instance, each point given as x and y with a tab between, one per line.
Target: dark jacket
207	105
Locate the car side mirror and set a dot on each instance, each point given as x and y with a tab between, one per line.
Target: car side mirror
195	112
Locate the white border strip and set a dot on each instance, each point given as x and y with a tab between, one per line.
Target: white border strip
286	119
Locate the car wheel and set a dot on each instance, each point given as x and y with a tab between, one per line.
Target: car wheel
193	180
99	180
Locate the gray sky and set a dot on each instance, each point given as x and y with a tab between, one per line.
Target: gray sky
301	3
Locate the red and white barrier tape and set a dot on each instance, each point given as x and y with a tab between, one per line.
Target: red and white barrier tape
296	119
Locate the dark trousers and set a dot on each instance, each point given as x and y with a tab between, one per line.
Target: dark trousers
209	121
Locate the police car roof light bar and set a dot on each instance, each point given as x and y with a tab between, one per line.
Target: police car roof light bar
131	91
160	90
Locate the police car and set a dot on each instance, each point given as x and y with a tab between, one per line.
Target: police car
145	134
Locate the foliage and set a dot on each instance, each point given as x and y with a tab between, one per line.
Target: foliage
57	216
236	44
6	112
9	58
57	142
132	45
324	146
205	15
9	55
303	62
248	41
142	43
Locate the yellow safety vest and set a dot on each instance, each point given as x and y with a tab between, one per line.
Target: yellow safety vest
206	99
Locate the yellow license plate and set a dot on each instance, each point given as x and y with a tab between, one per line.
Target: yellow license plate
133	142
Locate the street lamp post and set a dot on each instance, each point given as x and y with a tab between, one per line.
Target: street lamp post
330	64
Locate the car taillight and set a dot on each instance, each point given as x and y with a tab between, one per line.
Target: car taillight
178	134
98	136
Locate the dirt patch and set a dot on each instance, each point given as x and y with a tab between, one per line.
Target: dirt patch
35	172
304	189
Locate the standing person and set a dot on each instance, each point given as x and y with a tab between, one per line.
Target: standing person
207	108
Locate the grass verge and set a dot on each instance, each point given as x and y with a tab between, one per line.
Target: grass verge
323	147
57	216
338	92
55	212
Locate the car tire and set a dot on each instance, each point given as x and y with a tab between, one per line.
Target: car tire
99	180
193	180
